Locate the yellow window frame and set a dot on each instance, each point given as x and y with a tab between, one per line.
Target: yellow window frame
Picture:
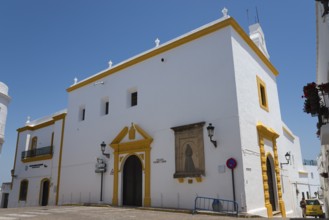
262	94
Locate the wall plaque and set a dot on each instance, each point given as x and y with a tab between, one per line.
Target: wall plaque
189	150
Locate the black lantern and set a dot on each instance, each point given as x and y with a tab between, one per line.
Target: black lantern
210	130
287	156
103	146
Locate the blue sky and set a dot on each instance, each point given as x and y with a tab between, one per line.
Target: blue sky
44	44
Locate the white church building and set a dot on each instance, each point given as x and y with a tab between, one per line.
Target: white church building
152	112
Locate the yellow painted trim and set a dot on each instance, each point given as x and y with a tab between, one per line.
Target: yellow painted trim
141	156
132	148
120	136
115	198
42	125
199	179
37	158
126	157
41	189
60	160
260	84
147	172
253	46
143	133
17	141
132	132
288	132
268	133
33	128
166	47
59	117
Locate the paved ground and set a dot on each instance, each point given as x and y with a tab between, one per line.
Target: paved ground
83	212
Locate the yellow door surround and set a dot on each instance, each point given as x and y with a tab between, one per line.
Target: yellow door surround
269	134
128	148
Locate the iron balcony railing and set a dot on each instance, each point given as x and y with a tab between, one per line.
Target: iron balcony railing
37	152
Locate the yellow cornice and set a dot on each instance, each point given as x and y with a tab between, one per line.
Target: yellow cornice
32	128
42	125
267	132
120	136
59	117
195	35
134	146
38	158
253	46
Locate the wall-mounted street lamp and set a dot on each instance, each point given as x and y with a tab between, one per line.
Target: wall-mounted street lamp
103	146
287	156
210	130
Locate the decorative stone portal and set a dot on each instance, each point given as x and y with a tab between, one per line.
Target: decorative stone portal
129	149
269	134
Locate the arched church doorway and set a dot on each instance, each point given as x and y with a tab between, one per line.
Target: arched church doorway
270	182
132	182
44	189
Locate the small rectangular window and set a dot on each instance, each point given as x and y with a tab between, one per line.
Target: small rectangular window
134	99
107	108
263	96
83	114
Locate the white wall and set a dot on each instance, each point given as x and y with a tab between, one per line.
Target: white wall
247	66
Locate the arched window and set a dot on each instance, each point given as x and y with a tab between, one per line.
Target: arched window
23	190
34	143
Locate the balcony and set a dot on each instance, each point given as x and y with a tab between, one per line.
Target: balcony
44	153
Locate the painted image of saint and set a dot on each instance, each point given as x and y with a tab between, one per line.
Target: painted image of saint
189	164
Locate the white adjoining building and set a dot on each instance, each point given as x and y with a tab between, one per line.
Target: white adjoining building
152	112
4	102
322	77
37	161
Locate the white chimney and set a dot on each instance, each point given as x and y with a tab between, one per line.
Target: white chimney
257	36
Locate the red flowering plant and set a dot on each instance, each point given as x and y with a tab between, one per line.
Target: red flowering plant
315	103
312	103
